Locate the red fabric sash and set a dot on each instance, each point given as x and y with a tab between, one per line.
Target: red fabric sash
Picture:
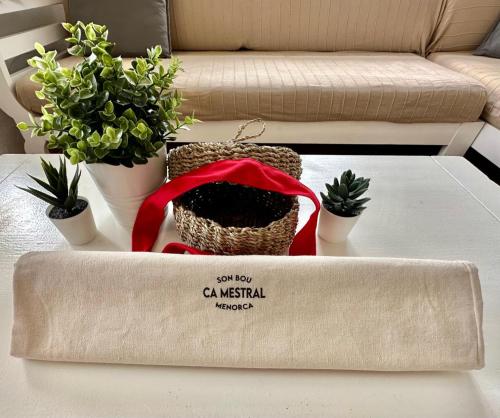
248	172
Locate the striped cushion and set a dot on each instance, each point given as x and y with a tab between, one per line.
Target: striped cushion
307	86
484	69
299	25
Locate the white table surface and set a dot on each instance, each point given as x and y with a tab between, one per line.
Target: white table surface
422	207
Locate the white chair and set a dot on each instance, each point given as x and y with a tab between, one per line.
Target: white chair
22	23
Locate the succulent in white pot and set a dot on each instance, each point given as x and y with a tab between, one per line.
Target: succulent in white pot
342	206
69	212
113	117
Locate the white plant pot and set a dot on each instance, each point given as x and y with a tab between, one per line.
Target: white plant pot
124	188
78	229
334	228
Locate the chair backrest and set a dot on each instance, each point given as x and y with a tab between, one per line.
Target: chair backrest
24	22
318	25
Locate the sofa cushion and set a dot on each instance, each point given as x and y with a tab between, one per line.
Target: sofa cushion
464	24
133	38
490	47
298	25
484	69
306	86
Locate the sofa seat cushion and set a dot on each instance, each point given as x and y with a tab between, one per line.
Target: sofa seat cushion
484	69
304	86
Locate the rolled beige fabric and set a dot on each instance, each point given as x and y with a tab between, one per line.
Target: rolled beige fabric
248	311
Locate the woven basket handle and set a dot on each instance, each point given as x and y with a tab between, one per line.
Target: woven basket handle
248	172
244	126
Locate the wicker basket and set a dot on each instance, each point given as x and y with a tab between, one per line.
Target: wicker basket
232	219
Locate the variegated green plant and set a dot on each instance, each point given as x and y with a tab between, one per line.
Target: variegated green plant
101	111
343	197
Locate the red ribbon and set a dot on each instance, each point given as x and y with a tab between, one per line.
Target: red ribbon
248	172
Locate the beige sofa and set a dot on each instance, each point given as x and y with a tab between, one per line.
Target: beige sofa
333	71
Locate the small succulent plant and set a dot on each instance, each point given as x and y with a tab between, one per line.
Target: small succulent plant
343	197
63	196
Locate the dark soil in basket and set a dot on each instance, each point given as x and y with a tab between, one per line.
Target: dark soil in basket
61	213
235	205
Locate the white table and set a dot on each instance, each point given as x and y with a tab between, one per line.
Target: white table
422	207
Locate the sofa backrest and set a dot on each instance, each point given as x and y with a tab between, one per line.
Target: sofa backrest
464	24
420	26
318	25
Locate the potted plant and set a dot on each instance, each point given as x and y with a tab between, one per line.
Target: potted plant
70	213
114	118
342	206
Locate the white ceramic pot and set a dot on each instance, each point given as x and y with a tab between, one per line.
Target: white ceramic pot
78	229
334	228
124	188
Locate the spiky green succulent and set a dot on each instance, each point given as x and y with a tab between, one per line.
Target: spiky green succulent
343	197
61	195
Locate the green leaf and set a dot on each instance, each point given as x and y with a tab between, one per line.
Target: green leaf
335	198
82	146
63	178
123	123
332	190
68	27
101	153
42	196
86	94
343	178
76	50
50	172
75	155
39	48
95	139
77	33
357	193
22	126
343	192
107	72
45	185
50	56
130	114
141	66
109	108
71	40
131	76
105	57
142	127
363	201
73	188
90	33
